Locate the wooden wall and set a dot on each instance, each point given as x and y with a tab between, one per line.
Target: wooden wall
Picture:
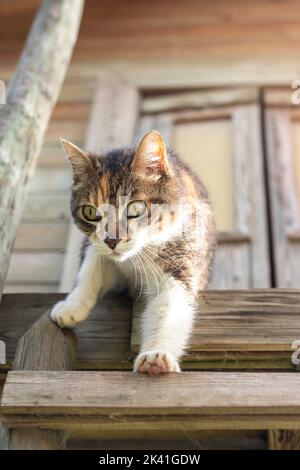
173	29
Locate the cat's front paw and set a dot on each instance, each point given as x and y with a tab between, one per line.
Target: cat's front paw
156	362
67	314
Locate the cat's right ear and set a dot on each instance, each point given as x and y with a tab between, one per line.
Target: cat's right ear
78	158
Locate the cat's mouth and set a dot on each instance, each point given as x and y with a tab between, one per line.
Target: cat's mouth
118	256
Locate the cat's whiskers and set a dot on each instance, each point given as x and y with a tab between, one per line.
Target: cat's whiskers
158	269
132	259
146	275
141	276
154	270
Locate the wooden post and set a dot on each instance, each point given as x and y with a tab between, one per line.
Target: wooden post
44	347
31	96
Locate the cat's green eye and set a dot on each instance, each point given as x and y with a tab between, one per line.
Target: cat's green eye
136	209
90	213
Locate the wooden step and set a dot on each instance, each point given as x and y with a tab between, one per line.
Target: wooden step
194	400
244	329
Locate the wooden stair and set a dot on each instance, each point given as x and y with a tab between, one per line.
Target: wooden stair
195	400
238	373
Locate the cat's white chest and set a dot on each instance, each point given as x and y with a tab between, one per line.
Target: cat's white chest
141	277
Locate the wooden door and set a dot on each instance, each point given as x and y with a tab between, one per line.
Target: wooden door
282	123
219	134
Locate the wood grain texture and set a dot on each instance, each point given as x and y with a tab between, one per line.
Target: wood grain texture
103	340
43	347
240	321
197	100
251	329
47	236
46	207
250	207
223	399
28	267
284	203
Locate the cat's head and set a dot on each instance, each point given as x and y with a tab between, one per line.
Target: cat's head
125	199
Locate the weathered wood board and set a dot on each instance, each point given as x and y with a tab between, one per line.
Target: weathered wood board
252	329
198	400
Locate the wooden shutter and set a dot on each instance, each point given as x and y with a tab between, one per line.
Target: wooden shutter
283	156
219	134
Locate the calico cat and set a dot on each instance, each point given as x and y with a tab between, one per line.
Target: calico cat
149	228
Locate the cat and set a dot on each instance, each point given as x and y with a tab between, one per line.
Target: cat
165	257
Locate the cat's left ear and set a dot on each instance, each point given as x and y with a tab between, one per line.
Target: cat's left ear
78	158
151	156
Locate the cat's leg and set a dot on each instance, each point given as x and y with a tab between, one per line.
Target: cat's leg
166	325
90	283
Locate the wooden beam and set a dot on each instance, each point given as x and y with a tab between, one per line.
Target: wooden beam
199	99
44	347
31	96
198	400
103	340
244	329
242	320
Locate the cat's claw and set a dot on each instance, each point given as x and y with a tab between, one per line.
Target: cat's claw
155	363
67	314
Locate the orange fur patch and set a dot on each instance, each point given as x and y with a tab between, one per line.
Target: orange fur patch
104	185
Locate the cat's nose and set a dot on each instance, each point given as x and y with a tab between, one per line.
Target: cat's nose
111	242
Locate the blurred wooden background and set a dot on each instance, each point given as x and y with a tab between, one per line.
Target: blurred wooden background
215	77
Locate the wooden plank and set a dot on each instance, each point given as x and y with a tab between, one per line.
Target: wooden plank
183	73
251	214
28	267
283	197
198	99
112	124
52	155
73	130
51	179
13	288
255	71
278	96
103	340
41	236
44	207
240	329
166	424
71	111
254	320
232	264
228	398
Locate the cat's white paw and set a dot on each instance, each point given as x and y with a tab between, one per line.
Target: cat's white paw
67	314
156	362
